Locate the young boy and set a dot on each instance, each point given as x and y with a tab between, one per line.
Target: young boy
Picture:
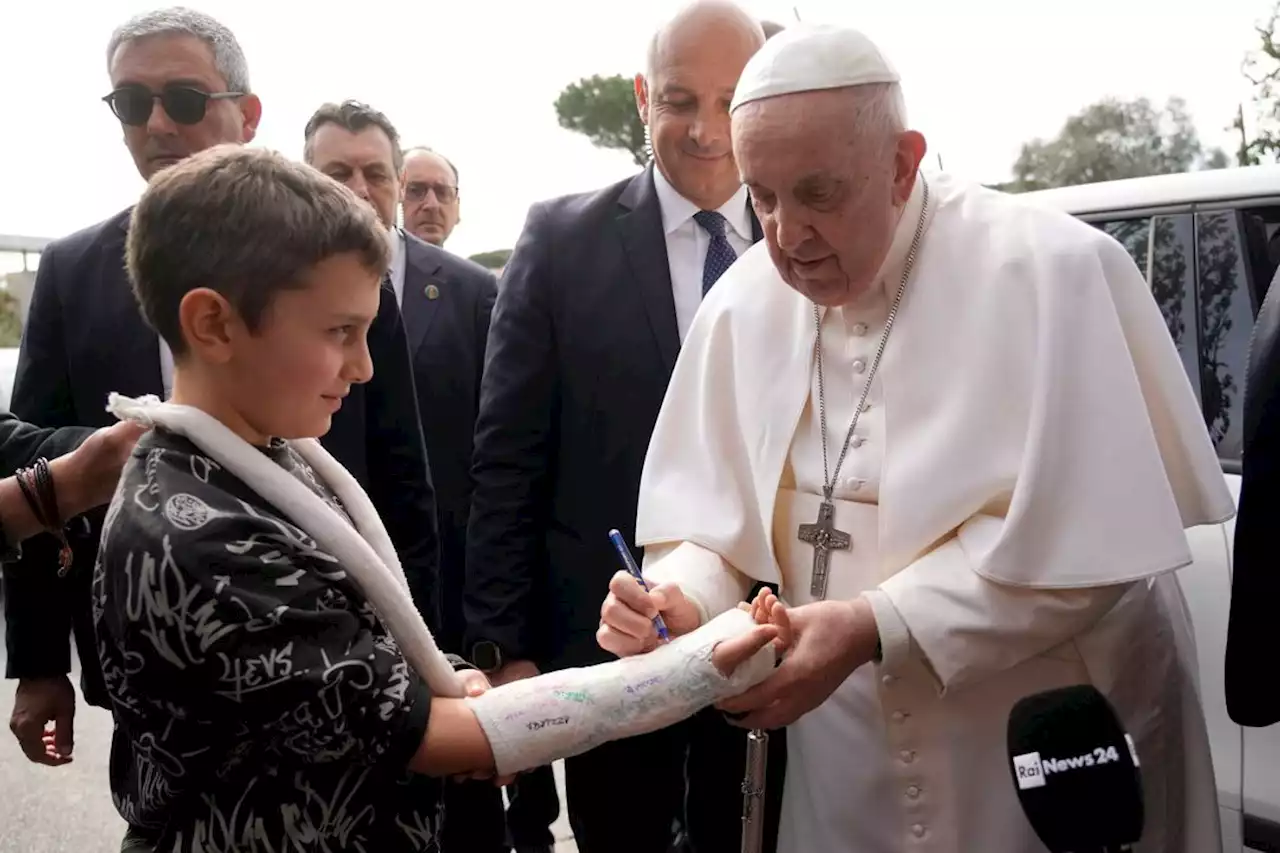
268	692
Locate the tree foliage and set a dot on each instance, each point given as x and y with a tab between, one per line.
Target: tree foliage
1262	68
10	324
1114	139
604	110
496	259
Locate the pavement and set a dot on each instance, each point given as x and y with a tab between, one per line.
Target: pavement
68	809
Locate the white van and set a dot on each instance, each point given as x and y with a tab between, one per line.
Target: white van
1209	243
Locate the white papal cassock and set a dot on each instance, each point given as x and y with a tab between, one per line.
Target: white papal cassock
1016	493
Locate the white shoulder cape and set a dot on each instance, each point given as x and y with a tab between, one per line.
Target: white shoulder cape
1035	408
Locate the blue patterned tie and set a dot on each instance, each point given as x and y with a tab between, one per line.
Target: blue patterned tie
720	255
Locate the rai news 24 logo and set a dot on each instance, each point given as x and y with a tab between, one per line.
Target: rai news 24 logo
1032	771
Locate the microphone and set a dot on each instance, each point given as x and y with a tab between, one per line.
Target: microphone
1075	771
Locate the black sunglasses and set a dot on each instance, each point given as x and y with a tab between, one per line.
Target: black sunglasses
184	104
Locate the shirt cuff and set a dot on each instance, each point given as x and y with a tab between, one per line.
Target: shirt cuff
896	647
457	662
710	583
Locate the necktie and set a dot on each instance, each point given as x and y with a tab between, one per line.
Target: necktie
720	255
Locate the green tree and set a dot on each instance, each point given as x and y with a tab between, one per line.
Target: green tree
497	259
1114	139
1262	69
604	110
10	325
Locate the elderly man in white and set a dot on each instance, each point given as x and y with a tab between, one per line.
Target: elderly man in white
952	430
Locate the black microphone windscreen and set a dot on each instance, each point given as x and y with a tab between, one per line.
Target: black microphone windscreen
1075	770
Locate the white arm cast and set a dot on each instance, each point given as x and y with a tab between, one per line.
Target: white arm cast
535	721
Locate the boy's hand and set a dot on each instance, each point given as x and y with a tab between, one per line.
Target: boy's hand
767	609
474	682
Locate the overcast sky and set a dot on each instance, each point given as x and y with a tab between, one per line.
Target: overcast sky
477	79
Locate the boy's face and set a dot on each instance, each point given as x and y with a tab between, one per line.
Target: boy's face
288	378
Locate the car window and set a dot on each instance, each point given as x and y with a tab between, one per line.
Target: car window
1226	325
1161	246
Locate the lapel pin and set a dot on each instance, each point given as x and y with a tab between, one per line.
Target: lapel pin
433	292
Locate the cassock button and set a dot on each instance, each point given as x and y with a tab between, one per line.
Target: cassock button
918	830
433	292
913	793
858	441
866	407
907	756
898	716
888	680
859	329
859	365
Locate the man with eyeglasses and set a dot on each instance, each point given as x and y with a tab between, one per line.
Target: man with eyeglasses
429	195
179	85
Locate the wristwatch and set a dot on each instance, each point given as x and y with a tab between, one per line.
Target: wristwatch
486	656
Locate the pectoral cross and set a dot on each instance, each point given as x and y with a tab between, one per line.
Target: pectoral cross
825	538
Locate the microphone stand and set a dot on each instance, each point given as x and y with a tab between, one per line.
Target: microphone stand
753	784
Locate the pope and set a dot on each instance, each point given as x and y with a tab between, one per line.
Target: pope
952	430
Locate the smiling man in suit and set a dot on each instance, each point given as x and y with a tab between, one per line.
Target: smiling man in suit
594	303
180	84
446	302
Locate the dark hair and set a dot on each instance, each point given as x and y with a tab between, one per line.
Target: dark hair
355	117
424	149
247	223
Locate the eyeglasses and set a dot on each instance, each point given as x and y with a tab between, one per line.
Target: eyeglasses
133	104
416	191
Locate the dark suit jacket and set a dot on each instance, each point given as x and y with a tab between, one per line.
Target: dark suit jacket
581	348
84	338
446	306
1252	641
22	443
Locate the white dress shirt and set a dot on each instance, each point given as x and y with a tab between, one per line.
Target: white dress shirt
395	237
687	243
166	368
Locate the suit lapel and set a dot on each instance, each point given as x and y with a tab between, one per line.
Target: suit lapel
757	233
135	345
646	249
422	290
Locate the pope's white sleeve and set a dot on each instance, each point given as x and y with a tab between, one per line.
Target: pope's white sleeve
565	713
706	579
966	627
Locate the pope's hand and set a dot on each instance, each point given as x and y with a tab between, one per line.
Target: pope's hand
828	641
626	617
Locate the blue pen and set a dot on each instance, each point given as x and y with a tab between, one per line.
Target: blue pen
629	563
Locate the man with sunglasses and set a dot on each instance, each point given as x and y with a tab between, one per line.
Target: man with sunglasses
179	85
429	195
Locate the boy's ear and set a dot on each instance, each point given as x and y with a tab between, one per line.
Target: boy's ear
209	324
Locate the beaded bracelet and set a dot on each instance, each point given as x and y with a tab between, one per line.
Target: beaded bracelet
41	495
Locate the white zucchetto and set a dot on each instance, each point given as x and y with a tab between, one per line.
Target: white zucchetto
806	58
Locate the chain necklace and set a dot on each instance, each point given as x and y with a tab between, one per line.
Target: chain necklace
822	534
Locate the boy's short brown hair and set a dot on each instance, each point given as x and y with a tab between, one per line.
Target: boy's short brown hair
244	222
